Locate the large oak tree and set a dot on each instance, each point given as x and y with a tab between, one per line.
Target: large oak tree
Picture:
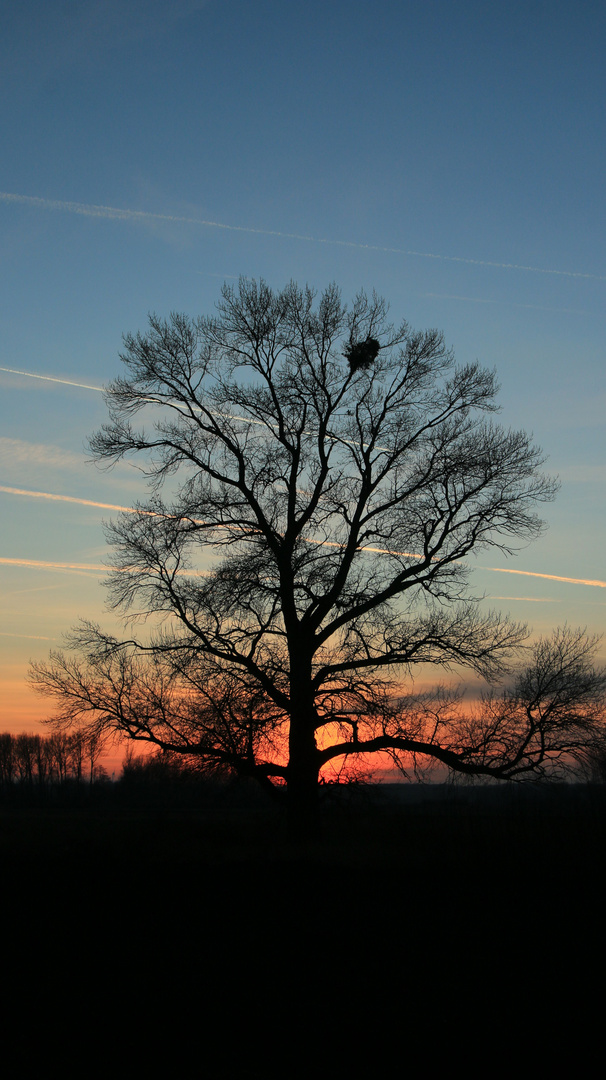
319	478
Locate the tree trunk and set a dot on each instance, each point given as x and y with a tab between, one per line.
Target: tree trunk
303	765
303	771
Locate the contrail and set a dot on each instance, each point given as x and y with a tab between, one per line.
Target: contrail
152	401
325	543
116	214
43	565
550	577
105	506
73	499
51	378
531	599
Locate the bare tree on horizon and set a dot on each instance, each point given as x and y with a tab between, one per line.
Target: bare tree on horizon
340	470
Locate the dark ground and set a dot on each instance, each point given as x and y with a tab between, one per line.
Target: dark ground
412	906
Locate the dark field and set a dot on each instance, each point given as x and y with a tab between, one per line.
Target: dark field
398	835
410	902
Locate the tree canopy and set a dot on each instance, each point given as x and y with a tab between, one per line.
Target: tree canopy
318	478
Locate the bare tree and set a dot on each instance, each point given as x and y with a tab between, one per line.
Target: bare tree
330	475
546	723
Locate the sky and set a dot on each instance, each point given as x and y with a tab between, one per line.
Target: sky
450	156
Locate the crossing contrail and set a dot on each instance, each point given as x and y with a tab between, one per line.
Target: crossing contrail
114	213
595	582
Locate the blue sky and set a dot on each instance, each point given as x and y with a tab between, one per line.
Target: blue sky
451	156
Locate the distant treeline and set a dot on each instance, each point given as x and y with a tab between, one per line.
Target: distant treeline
65	769
46	761
62	769
59	759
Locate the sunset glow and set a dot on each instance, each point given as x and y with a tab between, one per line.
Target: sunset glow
440	165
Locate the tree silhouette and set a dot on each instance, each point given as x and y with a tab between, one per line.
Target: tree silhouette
51	761
329	474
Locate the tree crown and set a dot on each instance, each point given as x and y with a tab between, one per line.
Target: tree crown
340	470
